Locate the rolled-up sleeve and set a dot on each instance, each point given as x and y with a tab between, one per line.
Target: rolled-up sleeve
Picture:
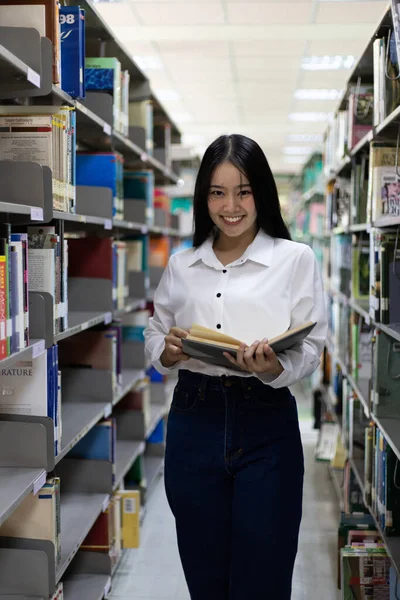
161	322
307	304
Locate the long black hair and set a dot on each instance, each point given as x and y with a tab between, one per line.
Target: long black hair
247	156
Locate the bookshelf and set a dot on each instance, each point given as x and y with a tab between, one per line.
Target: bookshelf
125	397
358	382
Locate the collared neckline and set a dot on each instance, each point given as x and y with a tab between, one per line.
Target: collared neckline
259	251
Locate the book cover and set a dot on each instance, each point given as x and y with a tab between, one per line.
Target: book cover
208	345
130	513
5	234
365	573
90	257
23	238
3	307
35	517
386	382
104	74
24	388
72	27
101	169
97	444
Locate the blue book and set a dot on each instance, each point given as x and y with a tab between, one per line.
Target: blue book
139	185
157	437
133	333
98	443
99	169
50	391
72	29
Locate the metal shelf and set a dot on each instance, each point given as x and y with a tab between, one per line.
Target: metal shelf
357	464
157	413
390	428
392	544
74	218
337	480
126	454
35	348
153	466
13	69
77	419
131	225
86	587
78	515
15	484
130	377
79	321
131	305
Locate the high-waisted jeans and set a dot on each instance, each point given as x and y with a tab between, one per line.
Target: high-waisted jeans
234	471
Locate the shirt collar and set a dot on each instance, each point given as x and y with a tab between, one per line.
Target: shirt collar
260	251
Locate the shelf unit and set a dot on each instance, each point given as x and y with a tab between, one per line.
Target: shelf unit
27	567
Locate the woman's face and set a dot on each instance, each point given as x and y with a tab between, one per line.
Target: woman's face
230	201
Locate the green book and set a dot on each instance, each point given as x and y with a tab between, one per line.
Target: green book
360	268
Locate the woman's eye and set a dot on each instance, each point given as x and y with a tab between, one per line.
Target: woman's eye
217	193
244	192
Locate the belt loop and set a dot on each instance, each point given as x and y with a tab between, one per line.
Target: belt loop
203	387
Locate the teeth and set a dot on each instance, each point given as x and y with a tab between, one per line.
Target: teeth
232	219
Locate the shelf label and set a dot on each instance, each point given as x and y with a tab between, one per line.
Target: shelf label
82	218
144	229
107	128
107	587
107	410
33	77
108	318
39	482
36	213
108	224
38	348
144	157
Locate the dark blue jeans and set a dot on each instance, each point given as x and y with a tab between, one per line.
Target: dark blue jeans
234	471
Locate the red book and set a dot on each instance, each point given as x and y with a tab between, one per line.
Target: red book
3	307
90	257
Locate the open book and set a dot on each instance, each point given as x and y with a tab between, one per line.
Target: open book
208	345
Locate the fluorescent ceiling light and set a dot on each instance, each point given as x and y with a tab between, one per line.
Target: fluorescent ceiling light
183	117
298	150
318	94
327	63
305	137
148	63
193	139
294	160
167	95
314	117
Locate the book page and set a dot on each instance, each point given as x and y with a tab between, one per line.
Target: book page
41	271
204	333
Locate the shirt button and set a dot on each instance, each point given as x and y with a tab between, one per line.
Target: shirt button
218	326
218	295
224	271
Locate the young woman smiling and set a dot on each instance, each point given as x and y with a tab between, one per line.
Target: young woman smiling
234	460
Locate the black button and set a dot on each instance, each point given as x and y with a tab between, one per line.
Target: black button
218	295
224	271
218	326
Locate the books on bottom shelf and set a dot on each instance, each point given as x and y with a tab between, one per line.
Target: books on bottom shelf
38	517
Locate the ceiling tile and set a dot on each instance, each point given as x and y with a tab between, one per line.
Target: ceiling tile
345	12
268	48
315	105
323	79
333	47
139	48
270	13
179	13
270	63
194	48
118	14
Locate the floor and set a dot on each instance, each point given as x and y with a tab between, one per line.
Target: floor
154	572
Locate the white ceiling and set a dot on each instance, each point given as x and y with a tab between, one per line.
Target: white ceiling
232	66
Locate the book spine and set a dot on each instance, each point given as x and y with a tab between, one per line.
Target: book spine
50	387
3	307
14	300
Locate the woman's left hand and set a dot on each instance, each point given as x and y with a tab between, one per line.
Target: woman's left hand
257	358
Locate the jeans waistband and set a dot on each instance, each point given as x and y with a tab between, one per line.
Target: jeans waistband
210	382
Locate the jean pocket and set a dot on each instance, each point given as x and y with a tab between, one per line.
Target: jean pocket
271	397
184	400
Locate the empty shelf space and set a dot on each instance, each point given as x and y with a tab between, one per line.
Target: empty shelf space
126	454
86	587
79	321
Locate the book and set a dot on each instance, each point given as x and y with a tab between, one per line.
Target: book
104	74
102	169
386	360
3	307
37	517
130	517
361	109
365	573
139	185
22	239
98	443
72	35
141	116
27	9
208	345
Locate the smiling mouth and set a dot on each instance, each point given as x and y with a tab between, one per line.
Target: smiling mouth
232	220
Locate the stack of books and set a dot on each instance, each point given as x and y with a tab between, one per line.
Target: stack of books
45	135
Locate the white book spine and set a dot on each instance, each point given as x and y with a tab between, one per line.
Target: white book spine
23	388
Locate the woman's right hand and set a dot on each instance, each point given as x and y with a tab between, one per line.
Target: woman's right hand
172	352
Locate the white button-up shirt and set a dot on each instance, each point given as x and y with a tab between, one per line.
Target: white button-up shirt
275	285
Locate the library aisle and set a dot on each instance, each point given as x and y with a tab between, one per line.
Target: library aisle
137	578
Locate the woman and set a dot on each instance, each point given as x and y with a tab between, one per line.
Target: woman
234	460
